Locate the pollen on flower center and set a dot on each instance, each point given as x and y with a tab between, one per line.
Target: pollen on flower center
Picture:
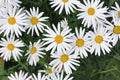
119	14
116	29
34	20
33	50
58	39
99	39
80	42
64	58
11	20
10	47
91	11
49	71
65	1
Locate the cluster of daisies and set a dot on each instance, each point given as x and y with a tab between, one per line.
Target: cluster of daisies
65	47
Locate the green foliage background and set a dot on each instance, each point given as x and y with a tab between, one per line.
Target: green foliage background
104	67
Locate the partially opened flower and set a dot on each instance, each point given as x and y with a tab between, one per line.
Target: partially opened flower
48	72
64	61
57	38
92	12
35	52
21	75
10	47
67	5
100	40
13	21
35	21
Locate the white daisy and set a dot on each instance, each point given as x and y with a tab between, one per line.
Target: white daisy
11	47
116	11
35	21
13	21
14	3
92	12
60	76
49	71
100	40
35	52
38	77
114	29
21	75
57	38
68	5
80	43
64	23
64	61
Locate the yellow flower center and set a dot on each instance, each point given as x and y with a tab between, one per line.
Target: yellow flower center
49	71
119	14
116	29
64	58
99	39
33	50
65	1
11	20
91	11
58	39
34	20
80	42
10	47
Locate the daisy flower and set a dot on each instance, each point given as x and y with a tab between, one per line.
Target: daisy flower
64	23
114	29
80	43
14	3
64	61
21	75
35	21
100	40
35	52
116	11
49	71
12	21
60	76
92	12
38	77
67	5
11	47
57	38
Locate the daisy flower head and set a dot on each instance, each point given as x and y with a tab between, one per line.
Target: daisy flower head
67	5
100	40
92	12
64	23
48	72
60	76
35	21
14	3
80	43
115	12
38	77
57	38
114	29
64	61
35	52
21	75
13	21
11	47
